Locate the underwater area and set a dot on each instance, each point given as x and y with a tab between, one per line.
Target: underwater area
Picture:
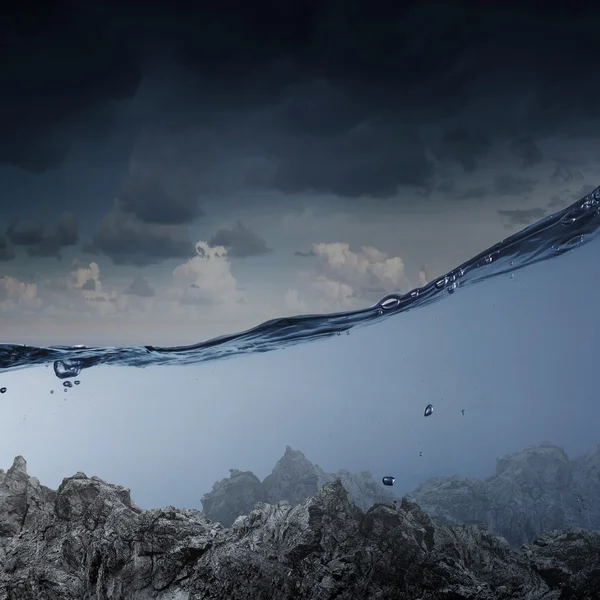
504	348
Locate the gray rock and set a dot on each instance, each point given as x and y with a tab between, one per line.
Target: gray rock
536	490
294	479
233	496
88	540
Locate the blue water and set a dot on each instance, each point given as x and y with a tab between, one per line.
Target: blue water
560	233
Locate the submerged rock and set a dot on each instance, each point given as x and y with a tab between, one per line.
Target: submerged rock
293	479
233	496
88	540
538	489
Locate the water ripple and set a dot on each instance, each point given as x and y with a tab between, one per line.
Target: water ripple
554	235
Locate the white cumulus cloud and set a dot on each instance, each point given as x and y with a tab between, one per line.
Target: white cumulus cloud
206	279
18	294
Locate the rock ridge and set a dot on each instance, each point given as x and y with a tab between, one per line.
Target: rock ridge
89	541
538	489
293	479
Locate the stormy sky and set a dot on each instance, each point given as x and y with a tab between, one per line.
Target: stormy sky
169	174
162	165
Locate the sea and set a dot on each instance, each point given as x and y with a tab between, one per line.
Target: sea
504	348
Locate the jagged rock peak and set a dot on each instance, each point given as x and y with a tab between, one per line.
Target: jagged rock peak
85	541
294	479
549	490
19	465
233	496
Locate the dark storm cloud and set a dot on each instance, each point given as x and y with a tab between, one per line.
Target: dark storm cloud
155	200
368	160
528	152
473	193
556	202
582	192
25	233
508	184
522	216
563	173
129	241
140	287
447	187
352	98
464	146
240	241
64	64
38	242
7	252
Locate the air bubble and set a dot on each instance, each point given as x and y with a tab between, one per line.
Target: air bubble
67	384
77	382
64	369
452	288
428	410
440	283
414	294
389	302
388	480
2	390
488	259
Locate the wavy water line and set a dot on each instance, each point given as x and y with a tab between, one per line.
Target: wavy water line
561	232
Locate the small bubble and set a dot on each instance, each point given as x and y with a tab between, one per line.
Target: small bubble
428	410
2	390
339	333
512	275
420	454
52	391
77	382
67	384
389	302
488	259
388	480
440	283
414	294
452	288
